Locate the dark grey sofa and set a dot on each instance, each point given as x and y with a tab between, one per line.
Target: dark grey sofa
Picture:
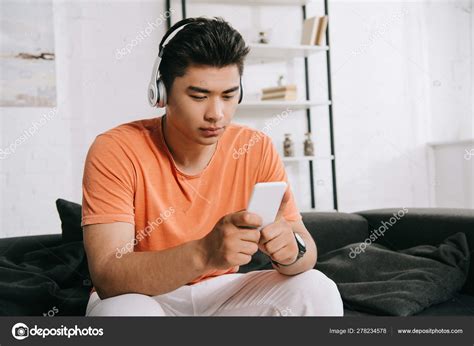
330	230
419	226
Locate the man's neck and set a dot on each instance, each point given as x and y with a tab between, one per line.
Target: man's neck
190	158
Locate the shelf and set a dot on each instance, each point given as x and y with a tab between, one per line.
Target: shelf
293	105
317	210
277	54
261	53
254	2
307	158
448	143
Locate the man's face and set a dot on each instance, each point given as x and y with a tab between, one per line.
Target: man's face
202	102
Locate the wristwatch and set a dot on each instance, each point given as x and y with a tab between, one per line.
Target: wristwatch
301	251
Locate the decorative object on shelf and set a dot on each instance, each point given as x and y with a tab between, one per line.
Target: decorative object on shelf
308	145
263	37
288	146
314	30
281	78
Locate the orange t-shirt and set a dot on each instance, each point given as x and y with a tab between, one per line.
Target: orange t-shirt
130	176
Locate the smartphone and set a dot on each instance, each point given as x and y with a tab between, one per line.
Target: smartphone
266	199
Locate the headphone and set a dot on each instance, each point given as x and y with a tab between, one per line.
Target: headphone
156	89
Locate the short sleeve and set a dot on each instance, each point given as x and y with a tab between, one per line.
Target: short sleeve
272	169
108	184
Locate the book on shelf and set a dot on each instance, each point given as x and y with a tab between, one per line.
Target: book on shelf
279	88
310	27
286	96
322	27
314	30
284	92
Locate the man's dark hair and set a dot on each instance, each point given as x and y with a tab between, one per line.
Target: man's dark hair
212	42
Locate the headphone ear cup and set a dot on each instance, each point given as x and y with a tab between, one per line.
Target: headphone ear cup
162	97
241	91
152	92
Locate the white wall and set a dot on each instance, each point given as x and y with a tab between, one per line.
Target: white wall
452	174
450	69
400	79
96	91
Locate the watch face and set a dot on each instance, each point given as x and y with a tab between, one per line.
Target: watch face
300	239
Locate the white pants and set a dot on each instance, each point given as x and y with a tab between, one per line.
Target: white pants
257	293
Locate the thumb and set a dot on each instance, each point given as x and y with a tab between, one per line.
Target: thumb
284	202
261	247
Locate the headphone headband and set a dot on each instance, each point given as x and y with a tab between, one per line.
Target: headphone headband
156	90
172	33
157	96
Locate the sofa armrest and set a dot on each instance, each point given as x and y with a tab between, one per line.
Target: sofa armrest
332	230
421	226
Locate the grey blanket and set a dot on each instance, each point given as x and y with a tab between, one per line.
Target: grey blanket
381	281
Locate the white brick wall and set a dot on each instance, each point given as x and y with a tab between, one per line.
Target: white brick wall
387	101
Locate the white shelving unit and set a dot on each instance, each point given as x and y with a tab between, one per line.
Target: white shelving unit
268	53
265	53
273	105
307	158
254	2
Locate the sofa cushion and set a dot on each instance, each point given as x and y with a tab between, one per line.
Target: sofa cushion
70	214
458	305
374	279
424	226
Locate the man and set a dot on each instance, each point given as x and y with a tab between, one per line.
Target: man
165	226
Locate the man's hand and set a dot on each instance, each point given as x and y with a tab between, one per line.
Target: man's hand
232	241
278	241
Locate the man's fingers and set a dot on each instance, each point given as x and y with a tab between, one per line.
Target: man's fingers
251	235
271	231
248	248
284	202
284	255
275	245
246	219
243	258
261	247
